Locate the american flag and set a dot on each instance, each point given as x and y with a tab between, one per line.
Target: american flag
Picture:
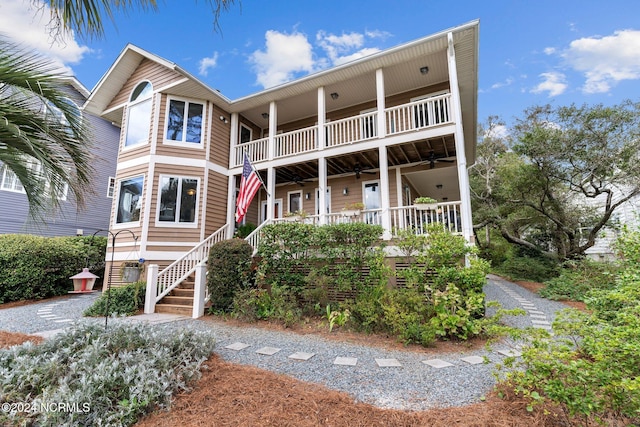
249	186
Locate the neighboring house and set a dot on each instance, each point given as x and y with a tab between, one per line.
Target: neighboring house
627	214
68	220
380	130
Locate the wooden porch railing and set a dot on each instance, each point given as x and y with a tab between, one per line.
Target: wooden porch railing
404	118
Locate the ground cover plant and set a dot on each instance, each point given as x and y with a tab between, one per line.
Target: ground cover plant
112	378
591	367
122	300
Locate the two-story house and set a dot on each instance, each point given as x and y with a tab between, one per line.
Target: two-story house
381	130
68	219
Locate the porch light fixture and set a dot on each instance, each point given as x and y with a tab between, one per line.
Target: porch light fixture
224	119
265	116
334	95
345	191
439	186
424	70
307	196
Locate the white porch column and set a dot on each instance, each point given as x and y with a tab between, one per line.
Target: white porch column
382	128
231	206
384	192
152	289
463	176
400	214
322	117
233	140
199	291
271	185
273	125
322	190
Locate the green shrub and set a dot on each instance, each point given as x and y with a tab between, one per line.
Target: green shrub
229	270
34	267
113	377
123	301
591	366
578	278
534	269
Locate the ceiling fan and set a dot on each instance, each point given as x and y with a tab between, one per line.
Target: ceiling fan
357	169
433	159
297	179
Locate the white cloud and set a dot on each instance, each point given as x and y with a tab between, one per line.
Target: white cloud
553	82
497	132
206	63
507	82
284	55
27	25
605	61
339	49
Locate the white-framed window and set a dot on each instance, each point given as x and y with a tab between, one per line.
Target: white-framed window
129	199
178	202
184	120
277	210
295	200
10	181
245	134
139	115
111	187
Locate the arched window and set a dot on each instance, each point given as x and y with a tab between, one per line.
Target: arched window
139	115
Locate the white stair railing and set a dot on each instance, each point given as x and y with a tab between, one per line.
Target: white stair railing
169	278
254	237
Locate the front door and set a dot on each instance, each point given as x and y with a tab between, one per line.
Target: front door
277	210
371	200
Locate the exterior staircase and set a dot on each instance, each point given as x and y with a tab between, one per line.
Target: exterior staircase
179	300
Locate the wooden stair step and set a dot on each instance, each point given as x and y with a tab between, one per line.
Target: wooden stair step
179	292
187	284
185	310
178	300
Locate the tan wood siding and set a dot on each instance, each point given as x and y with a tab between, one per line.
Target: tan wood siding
219	139
157	74
216	202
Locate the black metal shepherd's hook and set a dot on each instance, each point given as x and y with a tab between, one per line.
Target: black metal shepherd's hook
113	250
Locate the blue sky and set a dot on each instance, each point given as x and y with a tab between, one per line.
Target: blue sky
531	52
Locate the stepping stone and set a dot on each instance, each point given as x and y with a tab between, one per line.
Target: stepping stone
301	355
388	363
510	353
63	320
473	360
535	312
540	322
49	316
547	327
346	361
537	316
237	346
437	363
268	351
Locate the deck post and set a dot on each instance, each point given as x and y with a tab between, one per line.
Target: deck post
152	289
199	291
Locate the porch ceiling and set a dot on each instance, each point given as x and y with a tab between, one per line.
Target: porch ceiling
426	155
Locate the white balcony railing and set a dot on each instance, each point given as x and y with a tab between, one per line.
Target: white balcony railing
296	142
404	118
351	130
418	114
258	151
410	218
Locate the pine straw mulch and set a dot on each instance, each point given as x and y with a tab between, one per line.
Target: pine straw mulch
237	395
9	339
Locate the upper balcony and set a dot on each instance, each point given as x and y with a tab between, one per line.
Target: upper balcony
430	112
